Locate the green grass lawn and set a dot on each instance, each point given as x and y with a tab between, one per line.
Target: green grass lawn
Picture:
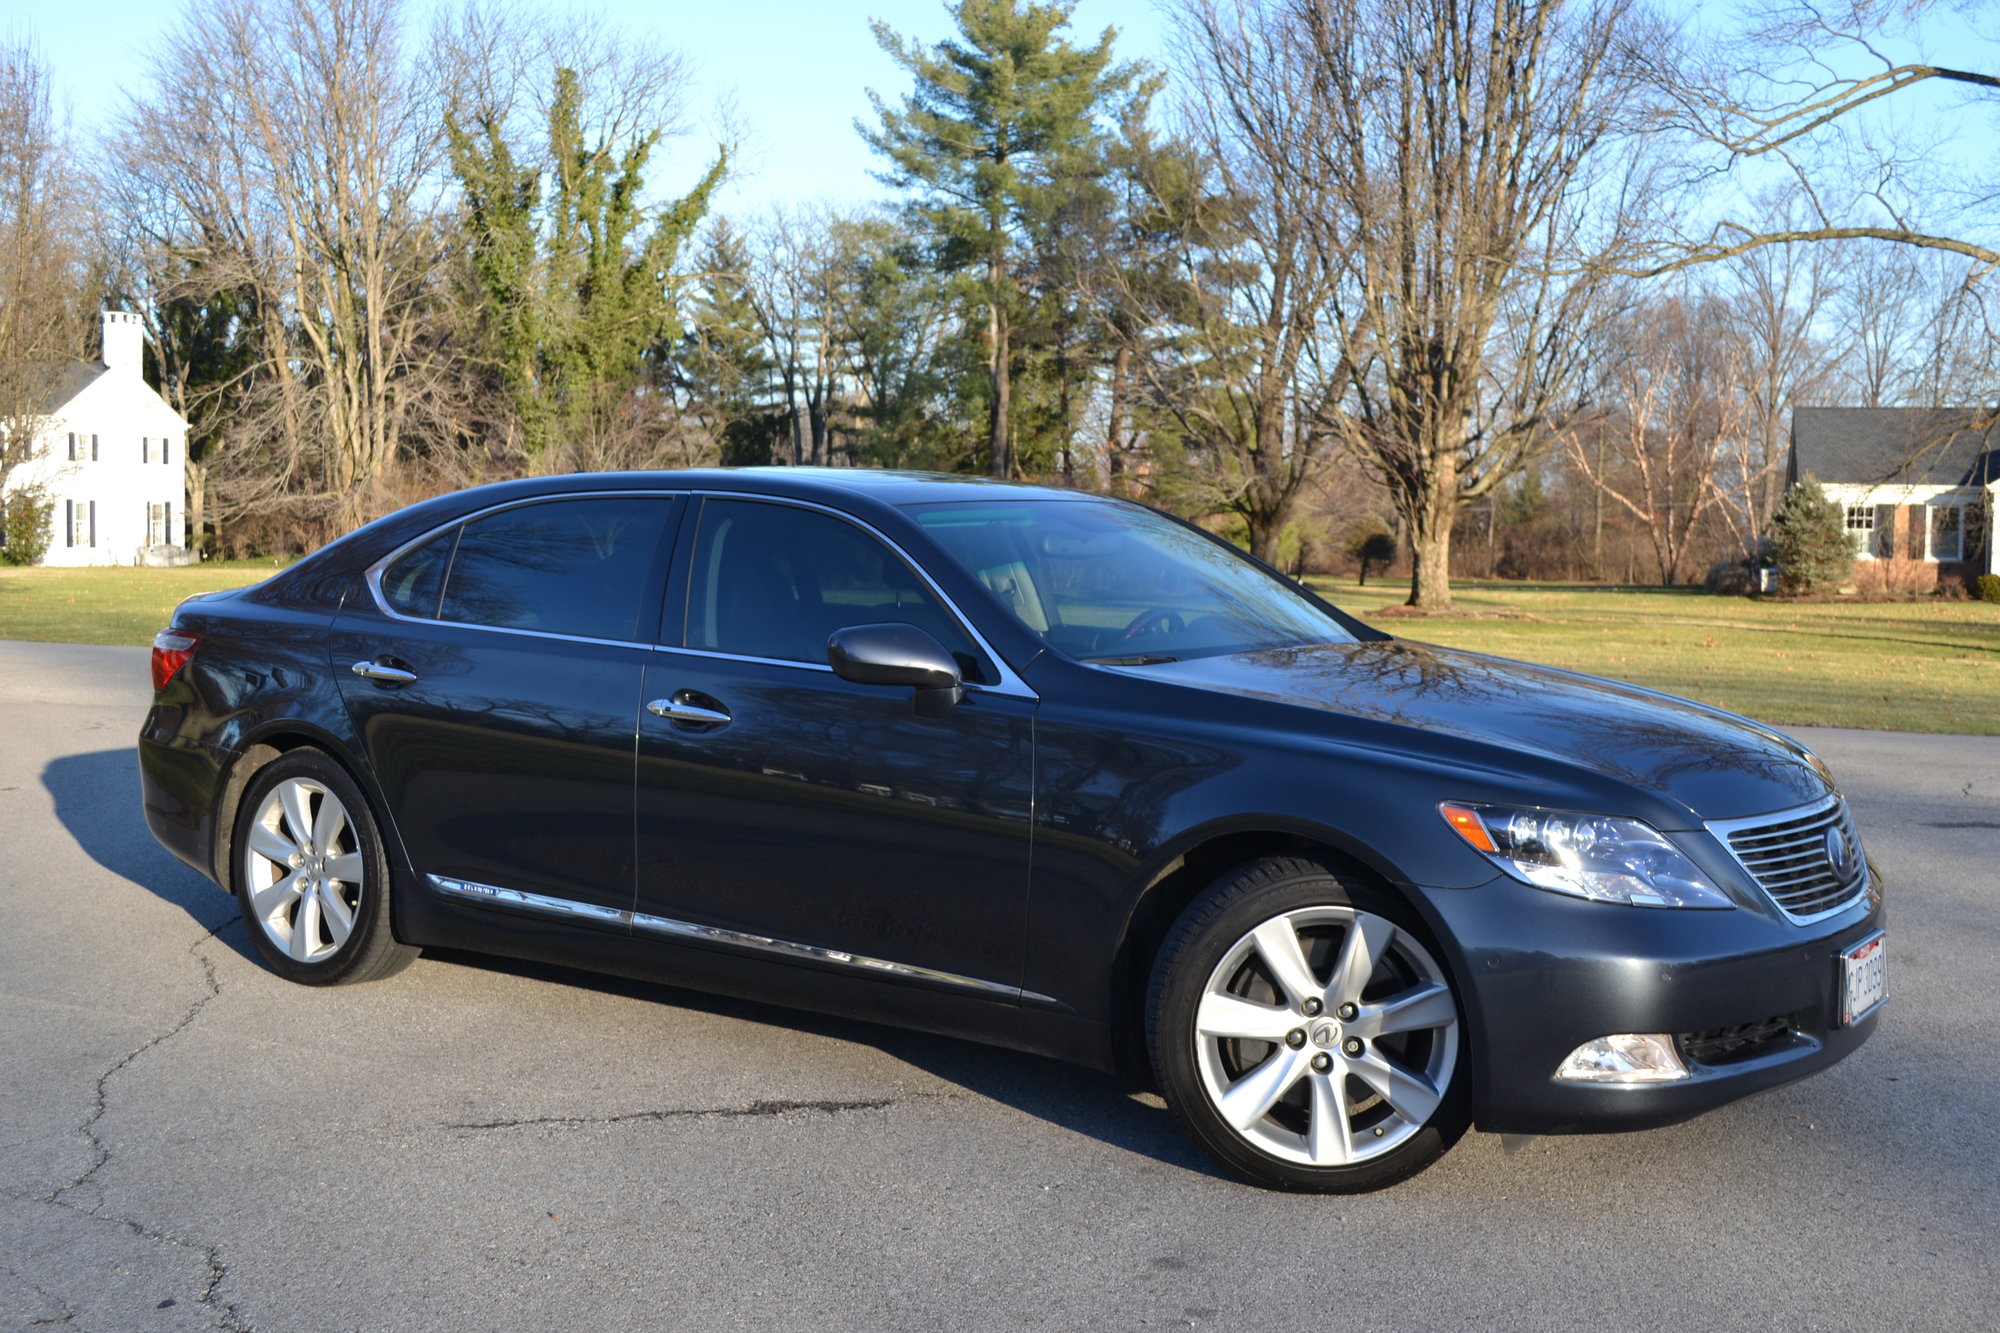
110	605
1902	666
1929	665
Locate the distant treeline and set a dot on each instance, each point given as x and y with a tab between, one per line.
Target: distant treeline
1454	274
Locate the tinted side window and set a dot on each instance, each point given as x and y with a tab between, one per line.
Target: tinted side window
773	581
412	585
567	567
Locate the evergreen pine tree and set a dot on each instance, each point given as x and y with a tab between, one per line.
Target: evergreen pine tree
1810	541
990	112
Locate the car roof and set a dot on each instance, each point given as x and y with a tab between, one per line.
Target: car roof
886	486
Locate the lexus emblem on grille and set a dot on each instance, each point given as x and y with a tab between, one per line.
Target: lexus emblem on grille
1840	853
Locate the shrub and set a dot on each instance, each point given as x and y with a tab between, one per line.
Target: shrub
1987	586
1371	543
1810	540
26	522
1729	578
1894	577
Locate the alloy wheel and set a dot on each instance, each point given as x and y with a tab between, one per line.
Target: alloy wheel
303	864
1326	1036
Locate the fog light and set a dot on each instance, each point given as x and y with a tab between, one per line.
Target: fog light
1625	1057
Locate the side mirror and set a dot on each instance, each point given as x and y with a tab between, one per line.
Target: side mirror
897	655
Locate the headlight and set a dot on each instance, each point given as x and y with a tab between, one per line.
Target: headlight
1600	857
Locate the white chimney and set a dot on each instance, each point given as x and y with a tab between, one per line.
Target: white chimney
124	344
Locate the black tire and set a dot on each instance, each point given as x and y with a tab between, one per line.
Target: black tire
326	914
1299	1141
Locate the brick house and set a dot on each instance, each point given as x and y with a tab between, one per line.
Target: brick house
1918	485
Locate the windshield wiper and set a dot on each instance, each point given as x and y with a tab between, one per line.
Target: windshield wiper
1143	659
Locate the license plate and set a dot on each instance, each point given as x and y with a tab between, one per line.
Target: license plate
1864	978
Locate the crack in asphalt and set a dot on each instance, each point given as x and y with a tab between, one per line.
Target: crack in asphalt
226	1315
756	1108
68	1315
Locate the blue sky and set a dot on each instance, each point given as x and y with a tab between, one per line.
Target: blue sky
797	71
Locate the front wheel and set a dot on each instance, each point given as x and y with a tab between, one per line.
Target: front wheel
1305	1033
311	878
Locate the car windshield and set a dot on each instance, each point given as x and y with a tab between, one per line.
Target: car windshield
1113	582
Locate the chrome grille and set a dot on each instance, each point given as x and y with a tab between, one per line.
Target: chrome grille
1786	854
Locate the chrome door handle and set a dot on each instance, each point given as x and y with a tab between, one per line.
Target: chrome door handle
680	710
378	671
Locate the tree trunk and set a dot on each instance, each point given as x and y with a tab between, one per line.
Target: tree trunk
1000	439
1430	564
1114	431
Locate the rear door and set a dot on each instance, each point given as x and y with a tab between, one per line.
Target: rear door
494	679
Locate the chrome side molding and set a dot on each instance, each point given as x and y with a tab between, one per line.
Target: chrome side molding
522	901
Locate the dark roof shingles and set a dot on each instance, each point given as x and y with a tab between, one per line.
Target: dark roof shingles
1917	446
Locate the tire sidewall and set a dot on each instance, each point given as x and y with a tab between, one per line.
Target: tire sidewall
371	923
1210	927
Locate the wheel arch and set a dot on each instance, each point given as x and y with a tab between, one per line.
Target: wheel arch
270	743
1184	869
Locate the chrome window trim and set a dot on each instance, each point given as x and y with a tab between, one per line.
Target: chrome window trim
372	576
567	909
760	661
1010	684
1722	829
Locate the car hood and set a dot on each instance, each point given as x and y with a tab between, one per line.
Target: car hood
1563	730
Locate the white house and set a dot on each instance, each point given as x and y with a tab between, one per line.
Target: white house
112	456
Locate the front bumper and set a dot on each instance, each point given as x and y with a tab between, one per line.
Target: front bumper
1544	973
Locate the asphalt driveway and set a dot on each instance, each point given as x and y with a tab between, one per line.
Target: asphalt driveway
187	1142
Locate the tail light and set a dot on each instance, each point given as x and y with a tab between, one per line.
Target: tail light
171	650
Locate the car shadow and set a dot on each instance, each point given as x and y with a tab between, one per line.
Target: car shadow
97	802
1083	1101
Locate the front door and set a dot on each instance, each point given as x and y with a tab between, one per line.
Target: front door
811	818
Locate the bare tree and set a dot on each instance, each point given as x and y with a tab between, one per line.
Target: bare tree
1794	91
43	319
1226	328
800	291
1473	162
1682	433
1777	298
291	153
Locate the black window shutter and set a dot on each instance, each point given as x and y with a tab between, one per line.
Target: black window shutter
93	522
69	520
93	448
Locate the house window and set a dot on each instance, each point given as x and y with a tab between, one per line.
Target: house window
1947	532
160	524
1861	528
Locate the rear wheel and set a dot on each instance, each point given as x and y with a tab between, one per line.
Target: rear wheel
1304	1031
311	879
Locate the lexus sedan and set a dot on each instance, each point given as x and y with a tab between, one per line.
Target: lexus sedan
1037	768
